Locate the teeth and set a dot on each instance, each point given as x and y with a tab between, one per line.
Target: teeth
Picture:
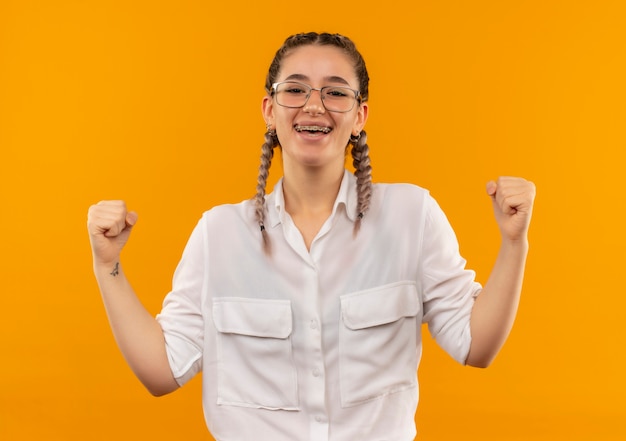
312	129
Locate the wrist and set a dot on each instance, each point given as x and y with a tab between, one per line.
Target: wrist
107	268
517	246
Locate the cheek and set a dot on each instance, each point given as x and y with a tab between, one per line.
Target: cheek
284	117
348	125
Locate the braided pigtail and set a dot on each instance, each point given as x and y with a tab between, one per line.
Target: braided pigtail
267	153
363	172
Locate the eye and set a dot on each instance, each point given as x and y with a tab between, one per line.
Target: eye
294	88
337	92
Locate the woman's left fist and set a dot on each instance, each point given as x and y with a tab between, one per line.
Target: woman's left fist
513	200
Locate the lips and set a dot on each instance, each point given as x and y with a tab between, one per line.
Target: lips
312	128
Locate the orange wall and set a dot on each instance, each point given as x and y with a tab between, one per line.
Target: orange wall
159	103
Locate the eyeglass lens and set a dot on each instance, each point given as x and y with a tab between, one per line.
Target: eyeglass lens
334	98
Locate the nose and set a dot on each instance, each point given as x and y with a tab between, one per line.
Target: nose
314	104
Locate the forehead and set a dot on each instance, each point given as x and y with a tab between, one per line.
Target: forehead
318	63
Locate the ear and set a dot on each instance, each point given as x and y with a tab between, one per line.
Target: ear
267	108
361	118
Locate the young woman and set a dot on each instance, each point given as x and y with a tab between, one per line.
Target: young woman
303	308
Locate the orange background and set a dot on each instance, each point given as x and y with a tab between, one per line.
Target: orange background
158	103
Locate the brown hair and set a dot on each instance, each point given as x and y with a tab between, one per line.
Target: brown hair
360	149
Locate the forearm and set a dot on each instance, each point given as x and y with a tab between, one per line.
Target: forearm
137	333
495	308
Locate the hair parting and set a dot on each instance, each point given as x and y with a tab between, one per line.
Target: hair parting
321	39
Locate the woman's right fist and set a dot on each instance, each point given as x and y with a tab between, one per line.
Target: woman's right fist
109	225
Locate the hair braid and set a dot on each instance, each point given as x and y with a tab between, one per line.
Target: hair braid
267	153
363	172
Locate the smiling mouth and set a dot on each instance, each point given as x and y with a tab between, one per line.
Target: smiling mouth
312	129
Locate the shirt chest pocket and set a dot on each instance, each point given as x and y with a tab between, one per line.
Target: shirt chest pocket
378	342
254	352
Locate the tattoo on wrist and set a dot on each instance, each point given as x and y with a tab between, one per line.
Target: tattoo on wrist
116	270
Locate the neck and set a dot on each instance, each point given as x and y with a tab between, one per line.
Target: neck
311	191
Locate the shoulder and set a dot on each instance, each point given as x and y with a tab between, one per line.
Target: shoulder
407	203
401	188
401	195
228	215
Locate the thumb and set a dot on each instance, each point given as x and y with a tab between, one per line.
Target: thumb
131	219
122	226
492	187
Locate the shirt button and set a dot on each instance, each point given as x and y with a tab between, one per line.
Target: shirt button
318	419
316	372
313	324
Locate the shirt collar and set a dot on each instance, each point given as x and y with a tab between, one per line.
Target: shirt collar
347	197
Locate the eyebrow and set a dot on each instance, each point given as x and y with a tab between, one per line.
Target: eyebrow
330	79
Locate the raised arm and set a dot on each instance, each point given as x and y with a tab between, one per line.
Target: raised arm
495	308
137	333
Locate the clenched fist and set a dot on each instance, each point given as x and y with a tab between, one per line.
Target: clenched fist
109	225
513	200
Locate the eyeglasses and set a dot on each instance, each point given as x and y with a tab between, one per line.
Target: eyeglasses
334	98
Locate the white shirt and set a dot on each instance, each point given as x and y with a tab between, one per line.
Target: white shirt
320	345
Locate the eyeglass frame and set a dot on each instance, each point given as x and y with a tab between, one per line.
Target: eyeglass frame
357	95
